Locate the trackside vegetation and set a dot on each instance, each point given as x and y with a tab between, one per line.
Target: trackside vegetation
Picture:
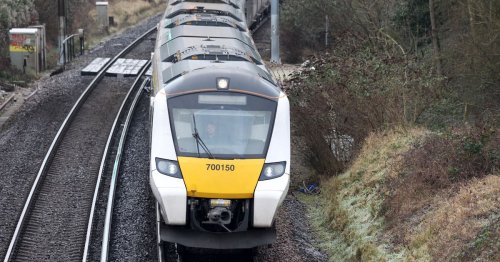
367	214
400	113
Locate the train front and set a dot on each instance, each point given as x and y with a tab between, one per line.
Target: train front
220	158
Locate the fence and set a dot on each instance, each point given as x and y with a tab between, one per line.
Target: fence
69	44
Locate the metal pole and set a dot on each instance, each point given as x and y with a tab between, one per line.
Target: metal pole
81	34
73	48
275	32
81	45
62	14
64	54
70	50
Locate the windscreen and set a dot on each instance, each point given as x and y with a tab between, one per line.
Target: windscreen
221	124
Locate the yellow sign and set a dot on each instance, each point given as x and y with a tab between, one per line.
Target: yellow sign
22	49
220	178
22	43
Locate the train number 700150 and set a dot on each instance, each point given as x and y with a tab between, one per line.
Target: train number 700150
218	167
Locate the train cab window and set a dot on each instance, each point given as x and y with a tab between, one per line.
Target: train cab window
221	124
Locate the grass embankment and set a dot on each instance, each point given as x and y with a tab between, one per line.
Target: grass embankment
414	195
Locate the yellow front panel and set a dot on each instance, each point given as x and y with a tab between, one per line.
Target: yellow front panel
220	178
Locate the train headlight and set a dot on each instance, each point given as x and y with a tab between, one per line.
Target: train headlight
168	167
222	83
272	170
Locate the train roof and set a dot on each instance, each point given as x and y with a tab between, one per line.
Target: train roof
203	77
203	32
205	19
204	8
208	49
235	3
171	71
199	42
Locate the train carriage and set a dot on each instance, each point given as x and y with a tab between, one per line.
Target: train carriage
220	130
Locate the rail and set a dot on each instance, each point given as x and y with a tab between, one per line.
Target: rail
56	142
116	167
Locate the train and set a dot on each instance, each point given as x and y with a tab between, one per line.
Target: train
220	128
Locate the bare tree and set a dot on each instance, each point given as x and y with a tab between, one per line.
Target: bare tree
435	39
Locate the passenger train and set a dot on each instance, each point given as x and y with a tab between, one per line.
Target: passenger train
220	128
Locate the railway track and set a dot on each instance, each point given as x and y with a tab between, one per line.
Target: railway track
196	255
201	256
53	222
110	167
54	225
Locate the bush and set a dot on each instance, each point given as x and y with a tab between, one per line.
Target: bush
466	31
357	89
437	163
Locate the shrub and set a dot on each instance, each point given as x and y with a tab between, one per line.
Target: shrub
438	163
357	89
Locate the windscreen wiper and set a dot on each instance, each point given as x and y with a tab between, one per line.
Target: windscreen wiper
199	141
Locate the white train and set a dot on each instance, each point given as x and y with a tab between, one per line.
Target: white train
220	135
